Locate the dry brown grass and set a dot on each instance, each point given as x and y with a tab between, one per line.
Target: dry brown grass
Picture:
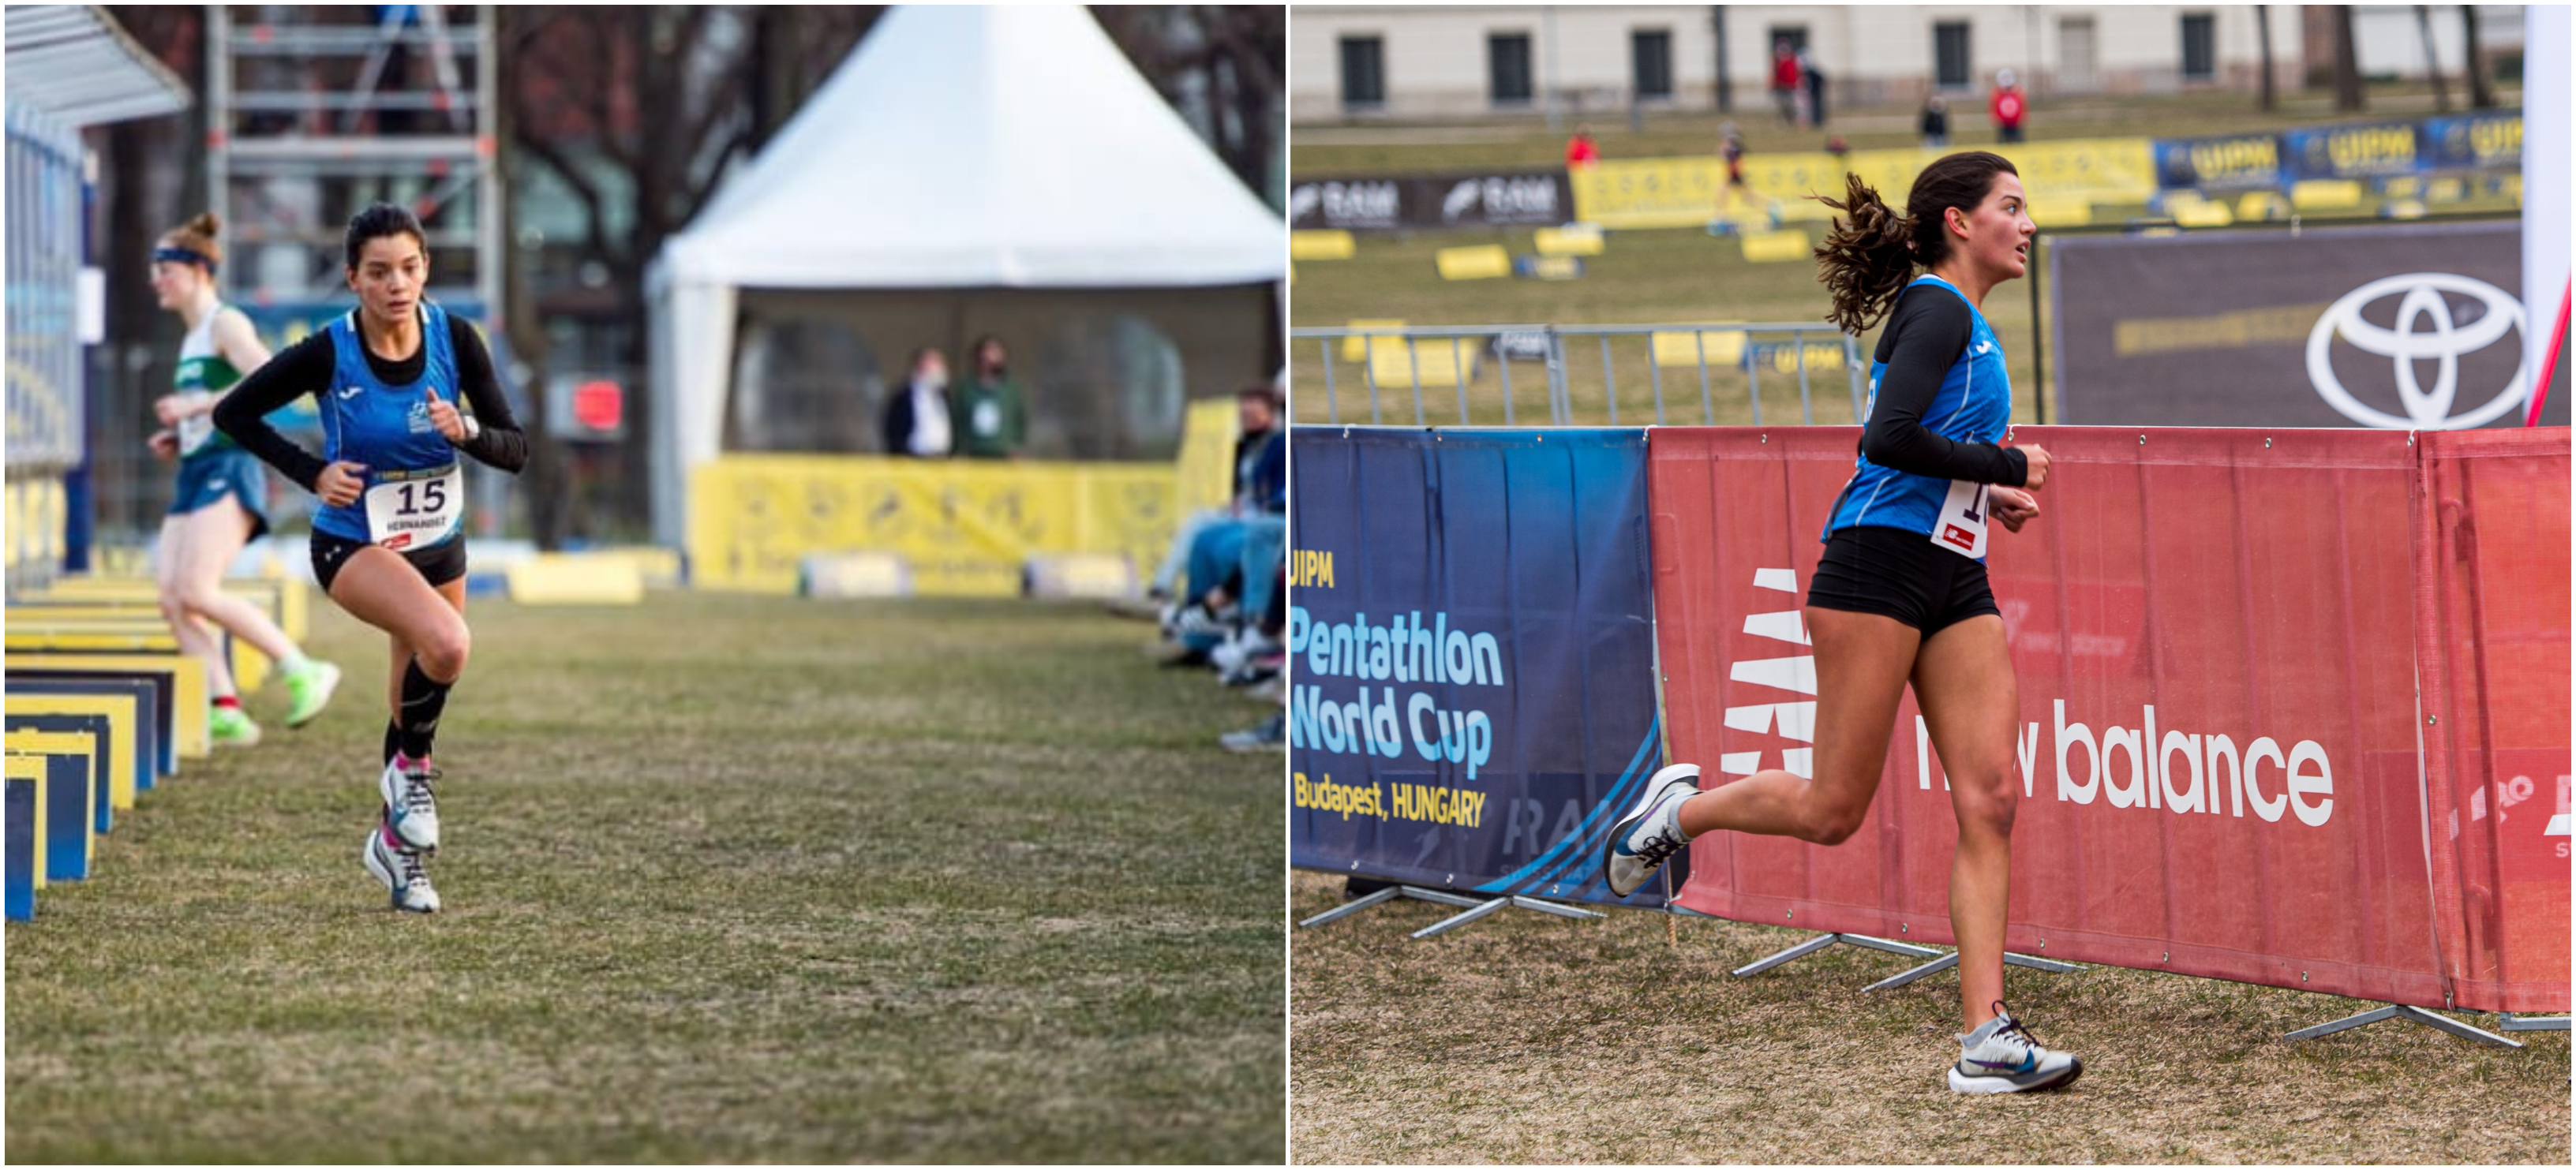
1527	1038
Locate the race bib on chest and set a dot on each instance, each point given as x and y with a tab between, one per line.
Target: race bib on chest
1961	525
415	509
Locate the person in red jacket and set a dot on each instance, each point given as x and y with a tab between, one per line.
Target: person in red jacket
1785	80
1581	151
2008	105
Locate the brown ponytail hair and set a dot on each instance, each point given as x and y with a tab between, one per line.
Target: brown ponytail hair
198	235
1867	258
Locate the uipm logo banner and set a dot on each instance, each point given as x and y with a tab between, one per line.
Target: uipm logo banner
2445	343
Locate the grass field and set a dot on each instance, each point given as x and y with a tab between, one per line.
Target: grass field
727	878
1527	1038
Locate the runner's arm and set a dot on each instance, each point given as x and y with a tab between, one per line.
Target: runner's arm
499	442
1924	338
305	368
239	341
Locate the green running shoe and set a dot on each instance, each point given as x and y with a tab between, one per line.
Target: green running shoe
309	690
232	727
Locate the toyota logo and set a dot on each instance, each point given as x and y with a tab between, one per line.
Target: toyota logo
2444	342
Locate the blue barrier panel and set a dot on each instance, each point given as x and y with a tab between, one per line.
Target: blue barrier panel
67	818
1472	643
155	699
99	732
22	836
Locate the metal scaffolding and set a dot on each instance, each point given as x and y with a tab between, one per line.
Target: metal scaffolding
315	111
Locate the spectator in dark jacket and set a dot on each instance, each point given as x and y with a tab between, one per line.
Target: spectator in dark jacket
916	412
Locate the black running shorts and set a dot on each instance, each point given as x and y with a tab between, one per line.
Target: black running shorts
1900	574
438	564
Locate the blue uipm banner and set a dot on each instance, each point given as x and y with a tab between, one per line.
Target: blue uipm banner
1471	632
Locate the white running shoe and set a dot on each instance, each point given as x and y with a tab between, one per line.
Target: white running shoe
411	809
401	871
2001	1057
1652	832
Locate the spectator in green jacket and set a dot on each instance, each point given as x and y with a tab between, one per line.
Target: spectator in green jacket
992	421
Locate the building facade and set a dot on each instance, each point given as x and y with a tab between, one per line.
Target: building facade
1357	63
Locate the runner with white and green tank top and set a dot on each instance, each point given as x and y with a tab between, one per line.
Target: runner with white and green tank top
220	504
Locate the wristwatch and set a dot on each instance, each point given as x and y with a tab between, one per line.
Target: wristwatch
473	429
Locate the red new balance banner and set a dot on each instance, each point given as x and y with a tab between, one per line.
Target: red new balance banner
2213	633
2491	635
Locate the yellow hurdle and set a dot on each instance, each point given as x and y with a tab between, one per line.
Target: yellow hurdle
1479	262
1356	349
2325	194
189	711
125	734
287	599
32	634
47	745
1321	245
575	579
1775	247
1584	240
1395	365
1687	347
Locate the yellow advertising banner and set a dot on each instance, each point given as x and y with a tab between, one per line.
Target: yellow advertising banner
1691	191
964	526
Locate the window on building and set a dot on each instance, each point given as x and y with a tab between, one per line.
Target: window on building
1650	52
1950	65
2075	70
2199	46
1507	67
1363	71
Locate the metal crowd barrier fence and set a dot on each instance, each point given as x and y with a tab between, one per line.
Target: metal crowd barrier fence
1395	359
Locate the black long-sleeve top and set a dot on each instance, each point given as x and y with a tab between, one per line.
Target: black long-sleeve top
1923	339
306	367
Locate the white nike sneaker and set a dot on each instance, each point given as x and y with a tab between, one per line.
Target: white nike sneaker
1652	832
411	809
401	871
2001	1057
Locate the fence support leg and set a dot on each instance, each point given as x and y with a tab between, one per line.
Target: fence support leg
2509	1022
1950	960
2399	1011
1475	907
1480	910
1811	946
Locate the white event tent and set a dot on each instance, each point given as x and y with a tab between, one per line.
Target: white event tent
965	166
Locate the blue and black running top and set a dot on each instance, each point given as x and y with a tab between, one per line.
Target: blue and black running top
1939	404
374	411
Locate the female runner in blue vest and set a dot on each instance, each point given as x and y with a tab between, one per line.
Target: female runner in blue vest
389	540
1900	593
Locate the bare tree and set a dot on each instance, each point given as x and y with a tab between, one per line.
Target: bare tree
1231	57
2481	95
2432	60
640	112
2263	38
2347	68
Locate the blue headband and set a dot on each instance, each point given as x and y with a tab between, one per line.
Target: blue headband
183	256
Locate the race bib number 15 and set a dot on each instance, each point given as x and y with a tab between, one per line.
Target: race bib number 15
415	509
1961	526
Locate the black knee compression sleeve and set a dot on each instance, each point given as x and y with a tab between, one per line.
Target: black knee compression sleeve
422	700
